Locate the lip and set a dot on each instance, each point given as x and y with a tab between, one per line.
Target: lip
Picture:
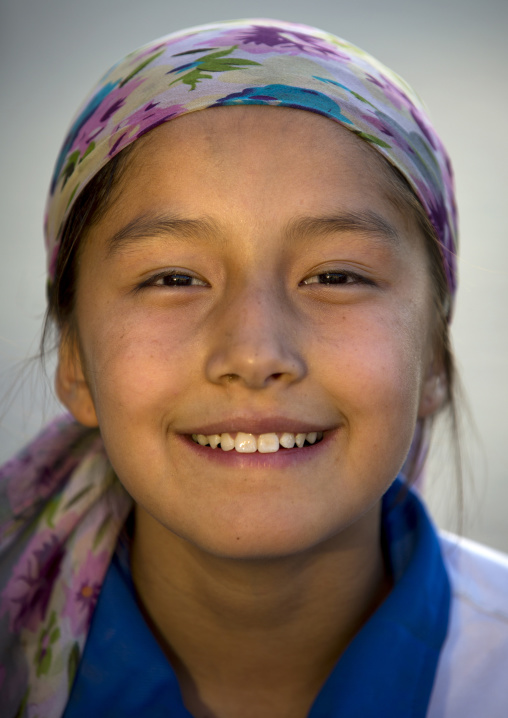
281	459
257	425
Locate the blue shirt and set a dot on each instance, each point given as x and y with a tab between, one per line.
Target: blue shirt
386	671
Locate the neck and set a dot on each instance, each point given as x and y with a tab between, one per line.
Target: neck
246	627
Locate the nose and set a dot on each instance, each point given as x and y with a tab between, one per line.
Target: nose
254	341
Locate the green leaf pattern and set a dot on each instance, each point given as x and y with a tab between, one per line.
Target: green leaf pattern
213	62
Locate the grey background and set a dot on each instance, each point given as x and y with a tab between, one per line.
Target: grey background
454	52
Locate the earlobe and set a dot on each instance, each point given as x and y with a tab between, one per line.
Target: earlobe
434	394
71	385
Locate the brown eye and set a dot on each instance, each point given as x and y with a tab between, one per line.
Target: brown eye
334	278
174	279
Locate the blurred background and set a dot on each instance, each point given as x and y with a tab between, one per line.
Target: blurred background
453	52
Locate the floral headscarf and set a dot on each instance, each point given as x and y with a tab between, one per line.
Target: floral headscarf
61	506
61	511
261	62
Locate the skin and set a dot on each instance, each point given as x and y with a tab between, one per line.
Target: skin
231	557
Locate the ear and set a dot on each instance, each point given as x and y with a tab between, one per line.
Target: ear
434	392
71	385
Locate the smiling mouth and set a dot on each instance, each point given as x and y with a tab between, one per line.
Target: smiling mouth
263	443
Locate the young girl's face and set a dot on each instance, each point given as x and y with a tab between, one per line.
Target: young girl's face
253	276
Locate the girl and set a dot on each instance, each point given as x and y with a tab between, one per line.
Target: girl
251	240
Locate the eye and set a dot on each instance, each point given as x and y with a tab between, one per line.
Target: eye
174	278
334	278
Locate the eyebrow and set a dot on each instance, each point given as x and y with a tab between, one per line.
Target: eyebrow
365	222
161	225
149	226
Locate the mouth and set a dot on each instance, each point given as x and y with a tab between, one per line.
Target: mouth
268	443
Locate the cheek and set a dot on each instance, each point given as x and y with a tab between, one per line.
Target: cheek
375	364
136	362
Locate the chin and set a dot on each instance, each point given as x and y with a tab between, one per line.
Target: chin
262	538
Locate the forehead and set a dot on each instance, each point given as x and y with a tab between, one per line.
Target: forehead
237	129
239	151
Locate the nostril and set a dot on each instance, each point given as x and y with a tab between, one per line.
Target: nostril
253	364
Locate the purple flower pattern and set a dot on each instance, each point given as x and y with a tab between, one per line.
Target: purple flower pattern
82	594
27	594
261	39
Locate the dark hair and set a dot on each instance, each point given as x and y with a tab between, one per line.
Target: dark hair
90	206
98	195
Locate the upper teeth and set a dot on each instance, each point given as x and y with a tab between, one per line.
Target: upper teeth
249	443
